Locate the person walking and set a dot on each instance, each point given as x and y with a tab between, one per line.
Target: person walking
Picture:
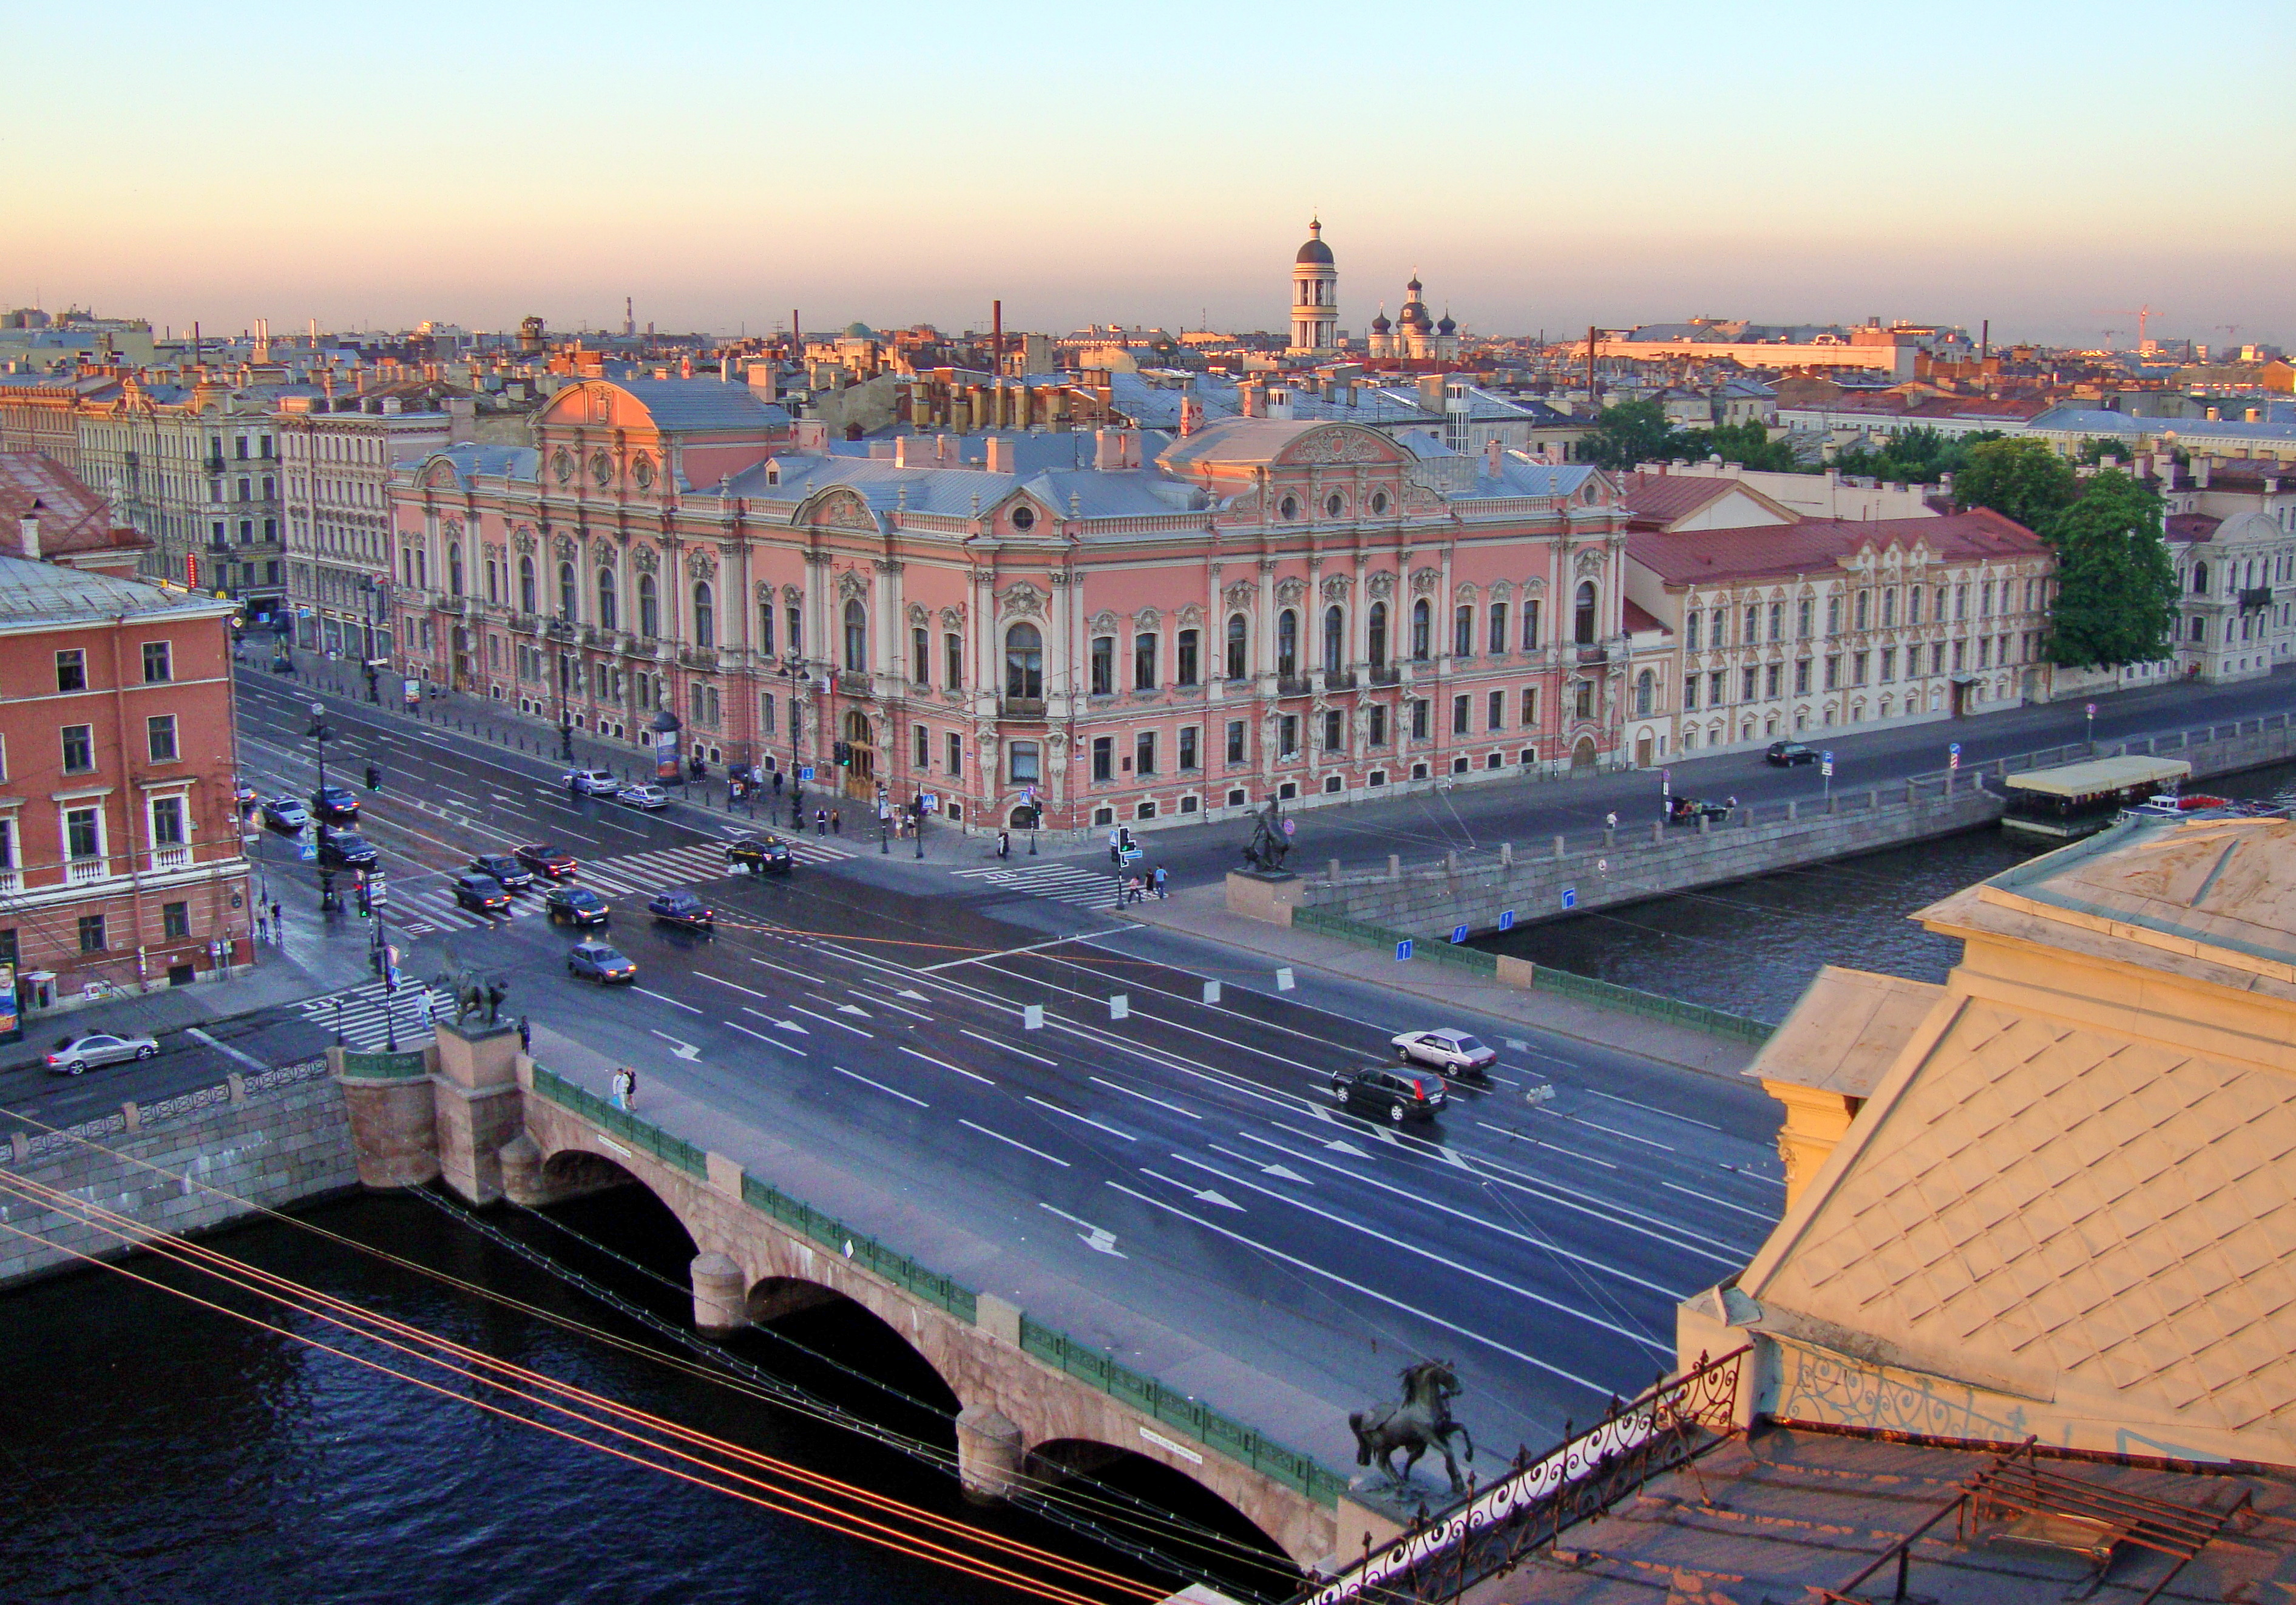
821	821
1161	895
525	1035
1004	844
422	1006
1610	820
278	931
836	822
262	926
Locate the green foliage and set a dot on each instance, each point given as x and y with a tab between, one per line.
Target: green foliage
2093	451
1920	456
2020	478
1748	443
1633	432
2116	584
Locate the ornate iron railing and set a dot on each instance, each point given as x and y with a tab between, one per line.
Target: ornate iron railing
638	1133
862	1249
115	1123
1491	1531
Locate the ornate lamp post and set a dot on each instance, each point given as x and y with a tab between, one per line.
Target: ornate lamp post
565	712
328	900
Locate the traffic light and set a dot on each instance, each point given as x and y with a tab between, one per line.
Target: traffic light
374	777
843	753
1123	838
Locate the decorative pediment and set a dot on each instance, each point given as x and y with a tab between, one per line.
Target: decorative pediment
1534	587
1190	617
1021	600
565	549
952	618
1238	596
1381	584
1425	580
645	560
1290	591
1147	618
1103	620
1341	443
839	509
440	476
852	585
523	540
1335	588
917	614
765	593
1592	561
701	566
1465	591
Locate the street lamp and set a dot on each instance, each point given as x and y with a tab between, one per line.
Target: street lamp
565	713
329	902
793	664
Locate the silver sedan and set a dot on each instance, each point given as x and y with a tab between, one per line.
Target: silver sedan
76	1054
1452	1052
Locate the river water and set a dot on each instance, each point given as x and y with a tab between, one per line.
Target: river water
1751	947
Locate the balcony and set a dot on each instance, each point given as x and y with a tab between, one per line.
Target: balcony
526	623
1339	679
1290	684
853	682
174	856
11	881
703	658
558	629
1596	654
1021	707
79	872
1386	674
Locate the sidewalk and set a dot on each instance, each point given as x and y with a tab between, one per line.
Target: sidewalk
1201	912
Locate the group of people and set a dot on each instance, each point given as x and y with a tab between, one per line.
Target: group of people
268	924
1134	888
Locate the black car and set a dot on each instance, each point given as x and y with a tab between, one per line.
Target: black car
1786	753
576	906
546	860
481	892
335	802
513	875
684	909
758	854
596	961
1689	810
342	850
1399	1095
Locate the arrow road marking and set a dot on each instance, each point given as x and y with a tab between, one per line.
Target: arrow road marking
1205	1195
1086	1119
1098	1238
768	1040
684	1050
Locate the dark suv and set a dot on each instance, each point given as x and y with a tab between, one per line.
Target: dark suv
1400	1095
758	854
514	875
1785	753
342	850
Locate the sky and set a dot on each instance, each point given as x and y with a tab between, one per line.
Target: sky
2047	166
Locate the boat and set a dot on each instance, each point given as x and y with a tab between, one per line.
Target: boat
2076	800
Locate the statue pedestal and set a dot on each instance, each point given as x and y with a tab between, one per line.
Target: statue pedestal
1269	894
479	1106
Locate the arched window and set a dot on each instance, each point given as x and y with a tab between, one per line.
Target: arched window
1422	629
1287	642
1335	652
570	599
608	614
857	635
1462	630
705	615
1379	635
1024	663
1584	625
1237	639
454	567
2200	579
649	608
526	594
1645	692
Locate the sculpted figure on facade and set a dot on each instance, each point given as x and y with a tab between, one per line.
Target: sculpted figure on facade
1380	585
852	585
645	560
1426	581
1239	597
1289	591
1339	445
1021	600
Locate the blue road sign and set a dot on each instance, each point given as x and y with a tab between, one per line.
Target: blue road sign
1403	950
1506	919
1570	897
806	773
1458	932
306	852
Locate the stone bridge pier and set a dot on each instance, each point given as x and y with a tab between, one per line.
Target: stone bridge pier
490	1134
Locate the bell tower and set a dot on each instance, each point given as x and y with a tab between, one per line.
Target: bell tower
1314	297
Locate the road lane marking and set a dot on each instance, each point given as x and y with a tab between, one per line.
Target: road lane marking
684	1050
1016	1142
1086	1119
1768	1219
1549	1147
944	1064
1614	1132
1129	1092
1201	1194
226	1048
1037	947
882	1003
768	1041
882	1087
736	985
769	964
673	1002
1355	1286
825	1020
1099	1237
1654	1108
1008	1048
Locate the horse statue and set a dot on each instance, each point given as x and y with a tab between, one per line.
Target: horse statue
1268	844
471	994
1422	1421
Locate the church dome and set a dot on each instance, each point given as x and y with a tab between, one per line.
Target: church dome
1315	252
859	331
1445	325
1379	324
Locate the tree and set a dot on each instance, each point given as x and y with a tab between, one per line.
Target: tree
2020	478
1632	432
2116	584
1747	444
2095	450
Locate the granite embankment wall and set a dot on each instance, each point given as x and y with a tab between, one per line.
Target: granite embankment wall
175	1165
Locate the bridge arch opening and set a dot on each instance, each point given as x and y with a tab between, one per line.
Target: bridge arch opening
597	1199
839	1350
1210	1534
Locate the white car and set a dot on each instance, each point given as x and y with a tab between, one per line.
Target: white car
597	783
1452	1052
643	797
76	1054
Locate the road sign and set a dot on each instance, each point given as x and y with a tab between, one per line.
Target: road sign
806	773
1506	919
1953	756
2091	710
1128	853
1602	866
1458	932
1289	827
1570	897
378	890
306	852
1403	950
1825	765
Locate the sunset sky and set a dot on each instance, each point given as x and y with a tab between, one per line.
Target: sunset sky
1542	166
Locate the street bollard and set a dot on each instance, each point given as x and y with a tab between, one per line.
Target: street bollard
1558	847
1394	866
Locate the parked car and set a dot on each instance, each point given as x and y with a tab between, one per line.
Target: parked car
1689	810
596	961
547	859
335	802
482	894
1398	1094
758	854
683	909
76	1054
285	813
575	906
1452	1052
595	782
514	875
643	797
1785	753
343	850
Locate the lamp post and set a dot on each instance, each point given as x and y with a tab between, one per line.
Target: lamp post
329	902
793	665
565	713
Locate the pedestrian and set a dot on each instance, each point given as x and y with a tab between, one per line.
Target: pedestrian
1733	803
572	790
1004	844
277	929
777	784
525	1035
1161	895
422	1006
836	822
821	821
1610	820
262	926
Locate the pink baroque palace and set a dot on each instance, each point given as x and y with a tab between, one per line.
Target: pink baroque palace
1067	631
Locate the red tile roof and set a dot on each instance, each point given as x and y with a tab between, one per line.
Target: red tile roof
72	517
1635	621
1660	498
2193	526
1816	545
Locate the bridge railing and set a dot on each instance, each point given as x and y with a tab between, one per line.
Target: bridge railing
862	1249
411	1065
643	1135
1200	1422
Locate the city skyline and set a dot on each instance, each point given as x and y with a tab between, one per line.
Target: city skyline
1538	171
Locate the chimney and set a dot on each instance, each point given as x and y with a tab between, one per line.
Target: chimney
28	531
1107	450
461	419
1000	455
1129	441
1192	416
1249	396
1491	458
900	451
2201	466
944	449
764	380
725	369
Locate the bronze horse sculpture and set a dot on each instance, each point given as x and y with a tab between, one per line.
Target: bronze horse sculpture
470	995
1422	1421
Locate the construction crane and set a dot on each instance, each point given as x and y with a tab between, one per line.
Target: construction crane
2143	314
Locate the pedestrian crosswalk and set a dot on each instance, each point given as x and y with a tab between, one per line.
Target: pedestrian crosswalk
421	910
360	1013
1079	886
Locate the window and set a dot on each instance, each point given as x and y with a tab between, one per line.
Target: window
158	663
83	836
1801	677
1582	693
1751	632
1420	719
649	608
1961	603
1378	643
921	658
1143	661
1235	741
1834	672
1103	666
1530	626
1335	644
765	628
1864	608
454	565
1961	648
1833	615
795	617
1889	664
79	749
1937	658
1463	632
1377	733
1189	756
71	670
922	760
1236	640
1144	753
1714	684
526	602
1645	695
1422	629
952	663
1185	646
1689	693
956	756
167	822
1803	618
1913	604
1335	726
1889	608
1021	755
1778	621
766	723
569	605
1287	643
160	733
1985	600
1770	676
91	933
1287	735
705	614
1583	620
175	921
1690	632
1498	627
857	637
1024	663
609	615
1858	665
1748	677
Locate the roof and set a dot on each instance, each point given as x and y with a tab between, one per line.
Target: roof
1238	441
1635	621
471	459
1660	499
73	518
2192	526
1815	545
2099	776
702	404
32	594
960	491
1846	1031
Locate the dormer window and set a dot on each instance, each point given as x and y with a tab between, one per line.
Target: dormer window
1288	507
773	474
1024	518
1378	501
1333	503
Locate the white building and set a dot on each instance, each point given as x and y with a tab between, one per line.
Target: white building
2232	530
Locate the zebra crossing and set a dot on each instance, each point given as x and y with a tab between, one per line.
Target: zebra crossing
422	910
1079	886
363	1020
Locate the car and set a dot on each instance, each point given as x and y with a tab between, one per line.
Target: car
758	854
547	859
683	909
1399	1095
596	961
343	850
1689	810
481	892
514	875
76	1054
575	906
595	782
1785	753
1452	1052
334	802
285	813
643	797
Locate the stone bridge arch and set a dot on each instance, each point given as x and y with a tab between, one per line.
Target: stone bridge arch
1157	1483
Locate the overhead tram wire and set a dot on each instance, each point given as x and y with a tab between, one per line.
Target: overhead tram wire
725	1371
550	1394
